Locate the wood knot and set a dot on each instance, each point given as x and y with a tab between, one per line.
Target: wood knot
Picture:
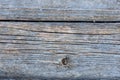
65	61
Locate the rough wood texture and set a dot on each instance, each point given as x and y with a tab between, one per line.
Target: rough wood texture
60	50
60	10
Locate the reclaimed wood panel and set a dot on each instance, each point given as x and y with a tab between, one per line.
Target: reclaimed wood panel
60	10
43	50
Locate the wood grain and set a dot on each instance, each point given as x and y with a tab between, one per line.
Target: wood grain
60	50
60	10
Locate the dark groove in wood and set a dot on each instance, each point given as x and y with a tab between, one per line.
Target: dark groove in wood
53	21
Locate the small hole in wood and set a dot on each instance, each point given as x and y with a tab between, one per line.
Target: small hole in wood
65	61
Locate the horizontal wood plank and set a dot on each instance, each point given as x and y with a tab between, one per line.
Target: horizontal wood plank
60	50
60	10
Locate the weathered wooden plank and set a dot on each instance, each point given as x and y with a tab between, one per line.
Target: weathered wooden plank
60	50
60	10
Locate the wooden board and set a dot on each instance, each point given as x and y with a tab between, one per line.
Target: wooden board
60	10
43	50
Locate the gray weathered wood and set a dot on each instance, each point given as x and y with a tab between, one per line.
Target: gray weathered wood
60	50
60	10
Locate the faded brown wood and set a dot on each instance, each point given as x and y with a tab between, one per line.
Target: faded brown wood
60	10
60	50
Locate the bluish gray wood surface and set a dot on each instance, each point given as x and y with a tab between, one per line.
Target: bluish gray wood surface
41	50
60	10
35	50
